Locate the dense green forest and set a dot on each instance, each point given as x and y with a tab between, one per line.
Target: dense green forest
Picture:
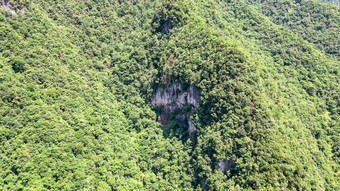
83	86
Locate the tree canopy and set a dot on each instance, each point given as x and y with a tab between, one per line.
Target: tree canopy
77	79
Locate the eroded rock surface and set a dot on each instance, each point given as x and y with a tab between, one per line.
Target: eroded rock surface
8	7
175	97
192	127
22	10
225	165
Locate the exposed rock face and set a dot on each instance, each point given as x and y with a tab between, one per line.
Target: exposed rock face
225	165
191	127
22	10
175	97
8	7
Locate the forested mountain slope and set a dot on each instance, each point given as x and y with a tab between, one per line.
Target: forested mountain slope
314	22
247	95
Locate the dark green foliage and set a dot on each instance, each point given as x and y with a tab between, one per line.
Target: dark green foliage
77	77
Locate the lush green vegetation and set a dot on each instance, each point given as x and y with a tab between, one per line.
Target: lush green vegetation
77	79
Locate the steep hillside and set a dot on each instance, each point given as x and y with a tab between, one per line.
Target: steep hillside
169	95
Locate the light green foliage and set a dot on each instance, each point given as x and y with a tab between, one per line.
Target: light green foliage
77	78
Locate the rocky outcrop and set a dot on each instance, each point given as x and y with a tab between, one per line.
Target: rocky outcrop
8	7
22	10
175	97
225	165
192	127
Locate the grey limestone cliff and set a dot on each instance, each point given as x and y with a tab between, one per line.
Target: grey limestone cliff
175	97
